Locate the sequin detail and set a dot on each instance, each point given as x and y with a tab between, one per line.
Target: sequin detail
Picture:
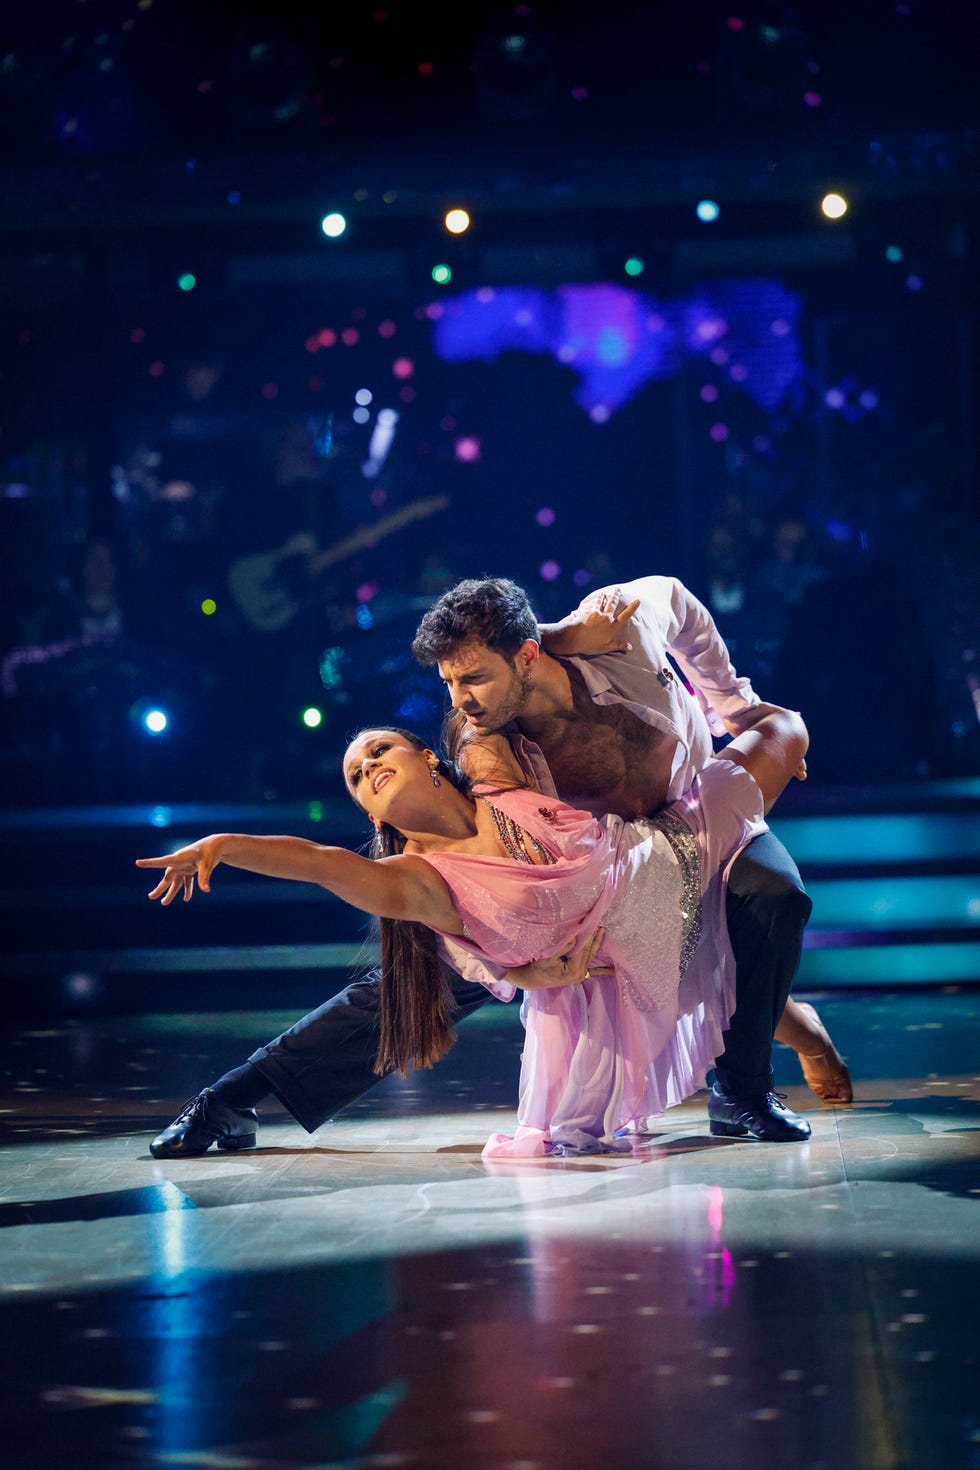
515	839
656	915
684	845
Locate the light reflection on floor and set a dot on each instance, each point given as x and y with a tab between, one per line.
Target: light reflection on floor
376	1295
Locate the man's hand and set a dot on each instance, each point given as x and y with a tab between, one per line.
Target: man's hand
598	631
567	967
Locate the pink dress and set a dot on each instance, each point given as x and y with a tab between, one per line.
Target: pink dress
602	1056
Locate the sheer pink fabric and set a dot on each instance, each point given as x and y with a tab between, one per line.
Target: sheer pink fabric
602	1056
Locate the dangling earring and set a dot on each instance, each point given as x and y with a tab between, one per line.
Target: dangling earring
434	773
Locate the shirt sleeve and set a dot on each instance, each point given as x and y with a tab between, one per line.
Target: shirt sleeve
688	631
478	971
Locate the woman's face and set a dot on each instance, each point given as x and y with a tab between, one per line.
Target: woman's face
382	768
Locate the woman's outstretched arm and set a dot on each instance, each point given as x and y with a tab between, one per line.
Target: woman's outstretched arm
771	750
401	887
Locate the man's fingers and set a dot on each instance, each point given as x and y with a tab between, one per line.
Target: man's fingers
593	945
619	622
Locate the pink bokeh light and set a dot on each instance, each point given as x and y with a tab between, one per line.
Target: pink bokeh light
468	448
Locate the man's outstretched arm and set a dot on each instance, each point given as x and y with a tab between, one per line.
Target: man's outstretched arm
651	615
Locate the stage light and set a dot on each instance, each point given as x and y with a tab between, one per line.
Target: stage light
187	282
154	720
312	717
834	206
80	985
333	225
457	221
707	211
209	606
363	397
467	449
442	275
894	253
634	266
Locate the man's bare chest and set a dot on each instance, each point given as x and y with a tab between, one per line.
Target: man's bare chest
607	759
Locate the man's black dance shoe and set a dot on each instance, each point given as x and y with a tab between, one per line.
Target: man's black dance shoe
204	1120
761	1116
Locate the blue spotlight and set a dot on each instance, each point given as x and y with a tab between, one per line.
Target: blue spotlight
154	720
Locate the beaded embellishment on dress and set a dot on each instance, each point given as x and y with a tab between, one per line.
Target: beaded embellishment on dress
685	848
515	839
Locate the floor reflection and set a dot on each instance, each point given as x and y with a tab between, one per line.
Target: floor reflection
377	1296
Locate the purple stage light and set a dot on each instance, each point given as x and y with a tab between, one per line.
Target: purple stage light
616	339
468	449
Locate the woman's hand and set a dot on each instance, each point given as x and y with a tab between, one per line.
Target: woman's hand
599	631
181	868
567	967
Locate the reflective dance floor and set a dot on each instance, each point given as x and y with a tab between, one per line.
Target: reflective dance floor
375	1295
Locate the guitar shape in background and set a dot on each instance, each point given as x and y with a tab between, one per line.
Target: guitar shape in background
260	585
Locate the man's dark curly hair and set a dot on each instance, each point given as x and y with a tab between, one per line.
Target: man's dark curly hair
493	611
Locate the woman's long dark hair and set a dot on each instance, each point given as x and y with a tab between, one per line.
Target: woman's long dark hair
416	998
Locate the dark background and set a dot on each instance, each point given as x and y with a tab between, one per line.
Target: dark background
780	408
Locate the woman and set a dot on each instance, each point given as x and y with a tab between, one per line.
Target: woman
512	878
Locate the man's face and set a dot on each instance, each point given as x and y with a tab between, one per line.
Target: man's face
489	689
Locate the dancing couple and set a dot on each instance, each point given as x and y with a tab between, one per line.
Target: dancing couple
582	844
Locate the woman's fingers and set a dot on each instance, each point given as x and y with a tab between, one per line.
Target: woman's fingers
181	870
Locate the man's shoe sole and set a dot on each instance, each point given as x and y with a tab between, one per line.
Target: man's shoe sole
227	1145
739	1130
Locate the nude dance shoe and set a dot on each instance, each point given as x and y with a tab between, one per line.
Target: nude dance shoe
824	1069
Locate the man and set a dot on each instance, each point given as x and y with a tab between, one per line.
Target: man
617	732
